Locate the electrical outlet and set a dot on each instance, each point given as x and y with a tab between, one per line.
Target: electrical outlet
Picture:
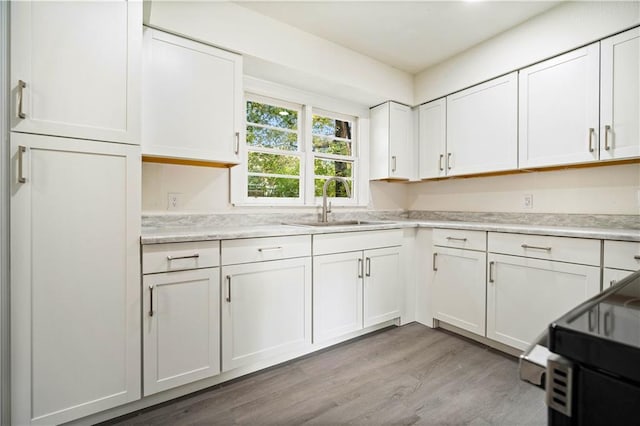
527	201
174	200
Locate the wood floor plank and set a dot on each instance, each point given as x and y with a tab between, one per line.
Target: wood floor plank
404	375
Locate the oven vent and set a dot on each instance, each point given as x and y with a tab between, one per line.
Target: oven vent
559	384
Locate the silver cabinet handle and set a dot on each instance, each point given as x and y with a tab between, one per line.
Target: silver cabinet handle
636	257
263	249
449	160
526	246
191	256
368	262
612	282
608	323
491	265
237	150
440	162
457	239
359	268
607	129
435	256
151	300
591	131
21	150
228	298
394	160
21	86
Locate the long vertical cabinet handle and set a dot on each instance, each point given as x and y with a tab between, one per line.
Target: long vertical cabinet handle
591	131
21	150
435	256
607	130
237	150
368	263
440	162
21	86
395	163
151	300
360	268
491	265
228	298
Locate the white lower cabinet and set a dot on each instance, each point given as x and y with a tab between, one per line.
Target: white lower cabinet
181	328
612	276
266	310
459	288
382	295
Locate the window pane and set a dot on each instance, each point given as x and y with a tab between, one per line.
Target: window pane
325	126
334	189
260	162
271	115
331	146
332	168
269	138
260	186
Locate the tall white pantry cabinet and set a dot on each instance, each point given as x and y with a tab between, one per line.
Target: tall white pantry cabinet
75	208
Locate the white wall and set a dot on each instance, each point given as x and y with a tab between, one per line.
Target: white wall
282	53
600	190
562	28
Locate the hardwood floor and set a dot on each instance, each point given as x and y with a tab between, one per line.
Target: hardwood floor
404	375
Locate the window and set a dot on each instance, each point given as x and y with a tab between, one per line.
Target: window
291	150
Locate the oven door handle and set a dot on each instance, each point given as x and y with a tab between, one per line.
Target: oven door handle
533	362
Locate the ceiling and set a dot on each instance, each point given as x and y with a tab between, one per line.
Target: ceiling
408	35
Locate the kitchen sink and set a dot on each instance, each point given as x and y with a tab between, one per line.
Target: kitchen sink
336	223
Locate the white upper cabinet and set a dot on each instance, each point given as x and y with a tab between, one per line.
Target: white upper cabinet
482	128
391	142
559	109
192	100
432	138
75	69
620	96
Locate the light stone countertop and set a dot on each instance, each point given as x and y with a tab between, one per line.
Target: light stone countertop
157	235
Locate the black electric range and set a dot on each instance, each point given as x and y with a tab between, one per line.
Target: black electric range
593	373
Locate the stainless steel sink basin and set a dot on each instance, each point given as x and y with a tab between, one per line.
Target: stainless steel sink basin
336	223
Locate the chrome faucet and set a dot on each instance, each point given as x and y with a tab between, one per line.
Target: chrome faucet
326	210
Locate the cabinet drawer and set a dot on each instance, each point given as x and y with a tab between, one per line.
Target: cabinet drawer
268	248
180	256
622	255
460	238
352	241
563	249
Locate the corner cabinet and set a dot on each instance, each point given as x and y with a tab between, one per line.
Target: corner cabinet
181	313
266	298
391	153
90	88
559	109
75	277
192	100
482	128
620	96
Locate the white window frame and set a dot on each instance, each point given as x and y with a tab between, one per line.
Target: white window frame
292	99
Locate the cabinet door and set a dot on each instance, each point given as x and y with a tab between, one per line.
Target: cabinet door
181	328
620	96
611	276
432	138
383	287
266	310
482	127
80	64
75	277
559	109
459	288
524	295
337	295
400	151
192	99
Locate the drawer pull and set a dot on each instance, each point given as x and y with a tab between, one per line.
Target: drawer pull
526	246
150	300
457	239
263	249
192	256
636	257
